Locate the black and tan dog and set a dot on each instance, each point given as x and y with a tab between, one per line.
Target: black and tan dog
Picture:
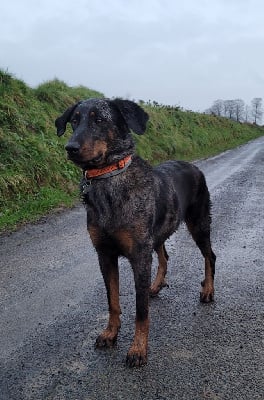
133	208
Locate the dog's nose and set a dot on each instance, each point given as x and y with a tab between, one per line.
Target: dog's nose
72	147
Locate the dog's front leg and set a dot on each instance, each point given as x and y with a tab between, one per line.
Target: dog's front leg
137	354
109	269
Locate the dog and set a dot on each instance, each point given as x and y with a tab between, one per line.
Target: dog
133	208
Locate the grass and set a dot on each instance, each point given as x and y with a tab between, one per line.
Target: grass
35	177
36	205
177	134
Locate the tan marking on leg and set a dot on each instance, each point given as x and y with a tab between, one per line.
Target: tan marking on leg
159	281
109	335
125	240
95	234
137	354
207	293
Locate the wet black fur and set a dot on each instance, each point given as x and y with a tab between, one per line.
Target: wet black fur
148	202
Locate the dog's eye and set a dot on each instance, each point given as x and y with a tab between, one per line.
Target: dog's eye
99	120
75	118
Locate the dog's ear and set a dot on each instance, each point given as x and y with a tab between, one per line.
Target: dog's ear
135	117
61	121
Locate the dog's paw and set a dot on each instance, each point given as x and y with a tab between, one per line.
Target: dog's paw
106	340
207	293
206	298
136	359
155	288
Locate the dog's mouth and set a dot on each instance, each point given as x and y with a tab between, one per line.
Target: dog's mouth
84	163
95	162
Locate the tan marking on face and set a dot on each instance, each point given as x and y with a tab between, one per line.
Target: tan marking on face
93	149
111	134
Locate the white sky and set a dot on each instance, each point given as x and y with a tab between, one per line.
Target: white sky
187	53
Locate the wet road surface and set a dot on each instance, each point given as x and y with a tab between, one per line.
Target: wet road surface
53	305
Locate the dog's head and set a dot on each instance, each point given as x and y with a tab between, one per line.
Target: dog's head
101	130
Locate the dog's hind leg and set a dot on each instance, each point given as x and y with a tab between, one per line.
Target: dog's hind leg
109	269
201	237
198	220
159	281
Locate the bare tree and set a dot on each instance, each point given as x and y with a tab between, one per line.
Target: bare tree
217	107
239	110
247	113
256	109
230	109
226	107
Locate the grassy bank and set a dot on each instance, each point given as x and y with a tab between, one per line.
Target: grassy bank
185	135
34	174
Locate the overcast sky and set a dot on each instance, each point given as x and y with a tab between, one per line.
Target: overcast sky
187	52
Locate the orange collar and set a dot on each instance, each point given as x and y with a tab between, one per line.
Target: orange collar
110	170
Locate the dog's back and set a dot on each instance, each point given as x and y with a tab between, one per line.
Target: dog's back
178	178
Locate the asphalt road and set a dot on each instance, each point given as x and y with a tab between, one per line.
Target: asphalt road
53	305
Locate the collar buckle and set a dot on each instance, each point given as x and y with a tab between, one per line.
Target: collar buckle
86	186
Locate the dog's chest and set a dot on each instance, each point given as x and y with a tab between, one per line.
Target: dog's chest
109	207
